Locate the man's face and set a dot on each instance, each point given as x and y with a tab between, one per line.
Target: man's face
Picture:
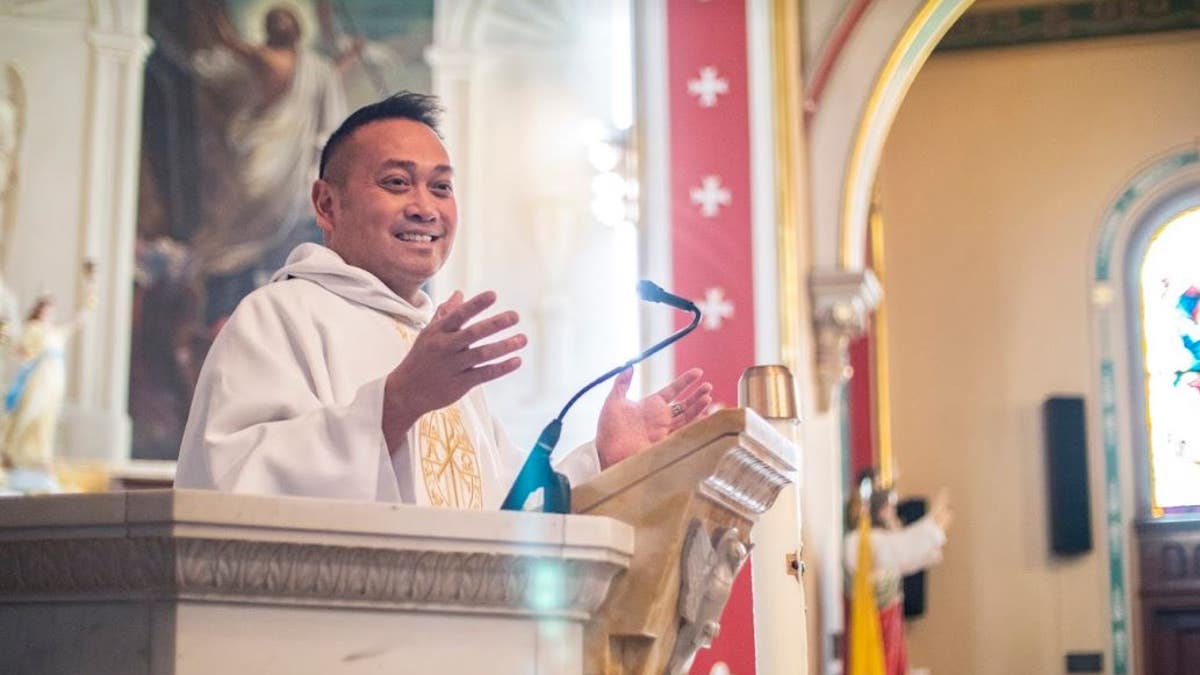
387	204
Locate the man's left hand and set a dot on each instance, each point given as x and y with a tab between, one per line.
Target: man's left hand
628	427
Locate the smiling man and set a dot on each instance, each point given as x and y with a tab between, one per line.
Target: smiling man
340	379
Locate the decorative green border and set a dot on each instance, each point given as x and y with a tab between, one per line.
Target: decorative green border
1114	526
1143	182
1117	214
1069	21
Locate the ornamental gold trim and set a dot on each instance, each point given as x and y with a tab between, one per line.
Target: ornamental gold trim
449	461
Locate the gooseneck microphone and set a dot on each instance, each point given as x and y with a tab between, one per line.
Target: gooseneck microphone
652	292
537	471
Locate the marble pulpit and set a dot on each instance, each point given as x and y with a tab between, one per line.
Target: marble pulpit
193	582
189	582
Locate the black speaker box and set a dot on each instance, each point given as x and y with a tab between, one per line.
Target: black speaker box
1067	475
911	510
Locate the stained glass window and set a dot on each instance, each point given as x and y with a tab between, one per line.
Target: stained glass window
1170	295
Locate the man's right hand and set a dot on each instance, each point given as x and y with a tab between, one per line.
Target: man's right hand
443	365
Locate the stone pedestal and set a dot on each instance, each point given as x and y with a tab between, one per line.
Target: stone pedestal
187	582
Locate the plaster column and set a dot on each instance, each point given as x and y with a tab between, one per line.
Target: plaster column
97	421
842	302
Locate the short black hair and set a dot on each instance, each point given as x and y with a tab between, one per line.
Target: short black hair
406	105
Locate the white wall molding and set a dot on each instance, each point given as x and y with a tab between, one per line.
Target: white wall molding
97	424
121	46
654	157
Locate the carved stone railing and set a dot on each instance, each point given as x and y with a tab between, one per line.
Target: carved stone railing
282	573
692	501
163	564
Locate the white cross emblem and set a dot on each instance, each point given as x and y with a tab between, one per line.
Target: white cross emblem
708	86
710	196
715	308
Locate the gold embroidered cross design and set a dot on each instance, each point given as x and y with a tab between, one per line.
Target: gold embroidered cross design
449	462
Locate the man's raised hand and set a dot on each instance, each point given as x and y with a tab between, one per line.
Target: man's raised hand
445	363
627	427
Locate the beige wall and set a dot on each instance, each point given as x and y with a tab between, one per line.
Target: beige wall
995	175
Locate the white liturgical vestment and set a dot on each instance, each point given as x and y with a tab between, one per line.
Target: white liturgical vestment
290	401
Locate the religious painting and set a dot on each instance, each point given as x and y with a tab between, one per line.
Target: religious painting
1170	289
240	96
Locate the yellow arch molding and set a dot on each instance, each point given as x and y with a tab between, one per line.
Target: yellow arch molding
789	176
881	372
910	53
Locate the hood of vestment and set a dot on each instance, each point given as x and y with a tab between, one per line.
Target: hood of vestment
322	266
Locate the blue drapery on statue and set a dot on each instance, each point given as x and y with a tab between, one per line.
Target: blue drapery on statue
13	397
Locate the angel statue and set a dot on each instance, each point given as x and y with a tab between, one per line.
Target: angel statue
35	397
710	565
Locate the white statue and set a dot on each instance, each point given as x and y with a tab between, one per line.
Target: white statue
34	398
710	565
